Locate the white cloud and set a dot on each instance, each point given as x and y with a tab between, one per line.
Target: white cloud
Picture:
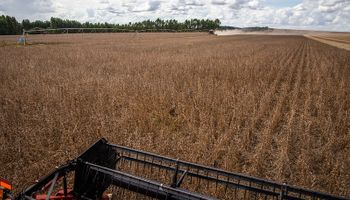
23	8
90	12
219	2
104	1
239	4
309	14
142	6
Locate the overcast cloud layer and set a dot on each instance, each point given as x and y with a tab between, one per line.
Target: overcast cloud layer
300	14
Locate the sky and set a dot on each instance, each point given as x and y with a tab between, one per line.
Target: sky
332	15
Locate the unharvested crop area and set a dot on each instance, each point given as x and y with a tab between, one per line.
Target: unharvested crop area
276	107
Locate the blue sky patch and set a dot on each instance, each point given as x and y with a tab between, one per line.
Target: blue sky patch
282	3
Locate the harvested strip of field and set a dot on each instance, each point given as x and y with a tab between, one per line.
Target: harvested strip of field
276	107
341	41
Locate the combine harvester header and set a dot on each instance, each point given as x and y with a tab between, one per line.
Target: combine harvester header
134	174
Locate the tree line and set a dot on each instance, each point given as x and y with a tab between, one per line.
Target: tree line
10	26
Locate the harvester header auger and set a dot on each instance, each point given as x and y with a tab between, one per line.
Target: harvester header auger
133	174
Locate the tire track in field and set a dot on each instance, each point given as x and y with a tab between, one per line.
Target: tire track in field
261	159
267	100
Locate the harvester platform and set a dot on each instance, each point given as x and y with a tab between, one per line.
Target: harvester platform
127	173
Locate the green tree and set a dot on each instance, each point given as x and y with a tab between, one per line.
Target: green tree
26	24
56	23
9	25
3	25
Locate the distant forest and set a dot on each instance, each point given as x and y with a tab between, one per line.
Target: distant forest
10	26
